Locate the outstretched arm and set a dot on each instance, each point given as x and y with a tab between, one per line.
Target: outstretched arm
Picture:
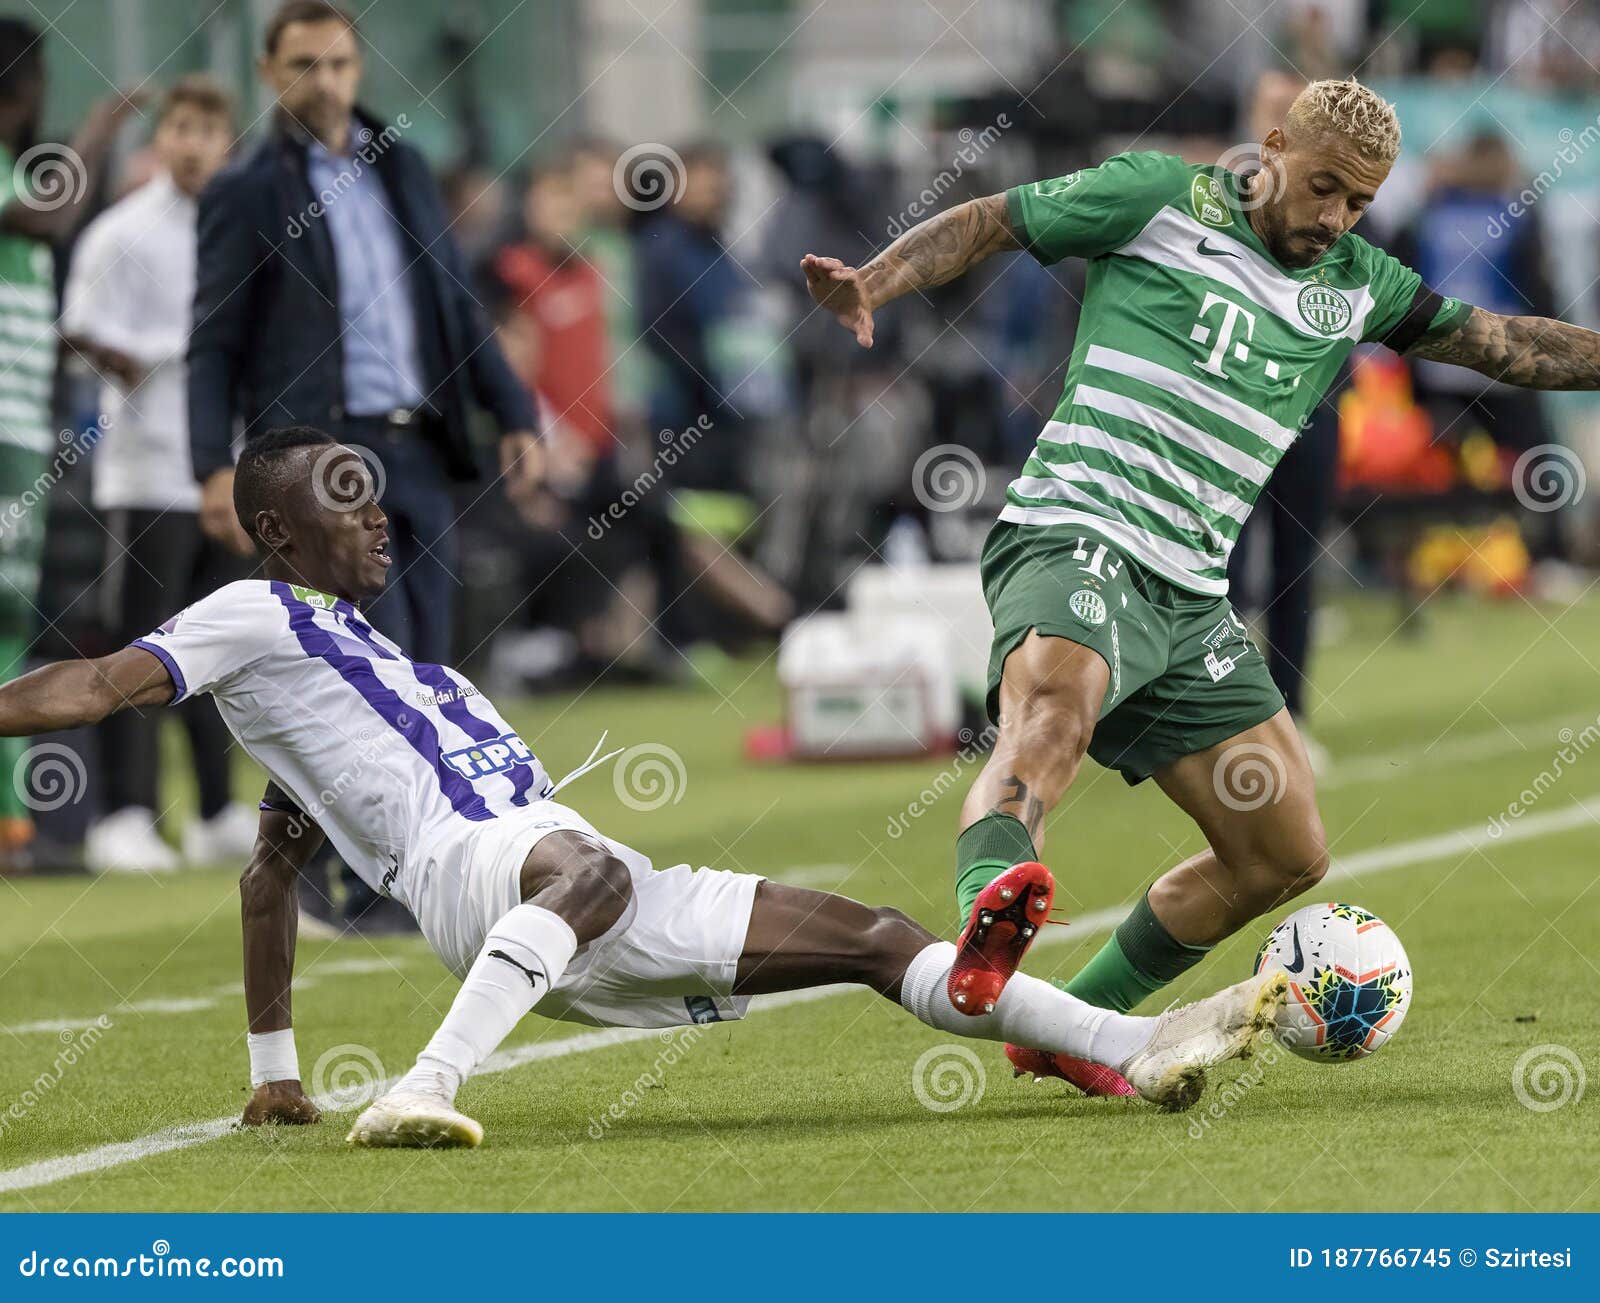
929	254
270	912
1534	352
70	694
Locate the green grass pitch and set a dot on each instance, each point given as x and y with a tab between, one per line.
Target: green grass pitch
813	1105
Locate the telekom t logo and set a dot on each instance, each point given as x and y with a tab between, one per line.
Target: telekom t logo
1231	313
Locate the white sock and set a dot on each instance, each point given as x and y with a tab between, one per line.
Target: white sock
523	956
1029	1012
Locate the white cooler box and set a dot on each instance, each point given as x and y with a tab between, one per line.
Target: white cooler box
860	687
951	596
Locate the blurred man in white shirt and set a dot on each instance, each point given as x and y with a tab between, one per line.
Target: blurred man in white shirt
127	311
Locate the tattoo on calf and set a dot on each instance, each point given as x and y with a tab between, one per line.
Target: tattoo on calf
1021	804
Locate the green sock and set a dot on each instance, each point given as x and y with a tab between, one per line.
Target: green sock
985	850
1140	958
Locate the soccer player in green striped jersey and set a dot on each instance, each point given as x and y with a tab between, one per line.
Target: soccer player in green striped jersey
1218	308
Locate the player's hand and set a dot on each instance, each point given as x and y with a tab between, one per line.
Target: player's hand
838	288
283	1102
521	464
217	517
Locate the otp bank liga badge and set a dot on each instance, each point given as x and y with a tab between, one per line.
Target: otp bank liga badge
1207	200
1325	310
1088	606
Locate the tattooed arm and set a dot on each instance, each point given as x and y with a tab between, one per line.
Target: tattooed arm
1535	352
929	254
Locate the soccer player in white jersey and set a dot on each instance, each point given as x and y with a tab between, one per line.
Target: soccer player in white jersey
430	795
1217	309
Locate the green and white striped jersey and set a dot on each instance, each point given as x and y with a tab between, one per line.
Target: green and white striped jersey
1198	357
27	330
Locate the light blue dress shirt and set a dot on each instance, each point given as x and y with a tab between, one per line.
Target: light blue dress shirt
382	361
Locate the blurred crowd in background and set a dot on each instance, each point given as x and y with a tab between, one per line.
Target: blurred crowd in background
717	458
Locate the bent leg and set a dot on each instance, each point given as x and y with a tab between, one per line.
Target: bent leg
800	938
1253	796
573	890
1050	695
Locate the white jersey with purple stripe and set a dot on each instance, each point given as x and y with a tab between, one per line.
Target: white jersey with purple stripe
388	755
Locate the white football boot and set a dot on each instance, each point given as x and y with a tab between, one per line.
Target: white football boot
415	1117
226	839
127	842
1171	1069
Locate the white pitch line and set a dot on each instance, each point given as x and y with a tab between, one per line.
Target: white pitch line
1380	859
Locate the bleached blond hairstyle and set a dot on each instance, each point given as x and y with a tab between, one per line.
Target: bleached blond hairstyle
1349	109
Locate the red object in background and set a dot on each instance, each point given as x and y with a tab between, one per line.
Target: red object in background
1385	439
563	302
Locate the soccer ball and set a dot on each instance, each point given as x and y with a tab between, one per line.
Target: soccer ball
1349	981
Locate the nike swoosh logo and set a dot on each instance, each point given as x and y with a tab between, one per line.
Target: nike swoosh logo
1209	252
1299	958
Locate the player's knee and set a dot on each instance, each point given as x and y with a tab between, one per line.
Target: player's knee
1052	728
581	881
1302	862
891	940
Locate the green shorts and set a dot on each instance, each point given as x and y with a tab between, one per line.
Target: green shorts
1184	673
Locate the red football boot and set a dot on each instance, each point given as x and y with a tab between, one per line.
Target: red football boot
1093	1079
1005	918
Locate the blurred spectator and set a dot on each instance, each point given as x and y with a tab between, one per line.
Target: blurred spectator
557	339
126	311
1554	43
31	219
474	207
1471	243
690	303
561	293
607	242
329	292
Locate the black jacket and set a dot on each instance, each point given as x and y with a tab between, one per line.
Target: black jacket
265	346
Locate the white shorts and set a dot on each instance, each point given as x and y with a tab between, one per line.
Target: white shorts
669	960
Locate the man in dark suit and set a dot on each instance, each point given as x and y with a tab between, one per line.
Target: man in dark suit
329	292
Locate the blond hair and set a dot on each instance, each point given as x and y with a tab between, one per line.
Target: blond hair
1349	109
